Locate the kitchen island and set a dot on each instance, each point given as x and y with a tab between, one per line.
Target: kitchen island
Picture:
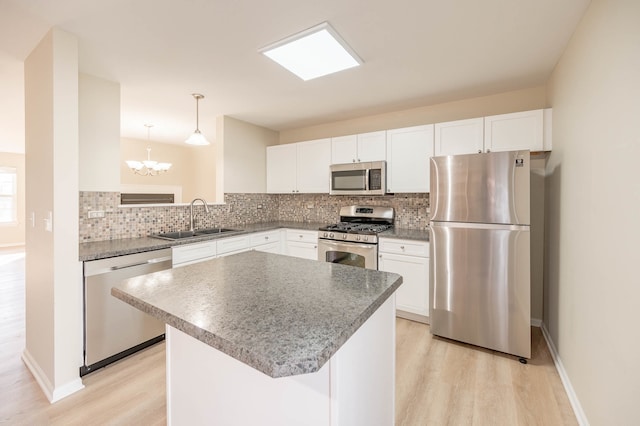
260	338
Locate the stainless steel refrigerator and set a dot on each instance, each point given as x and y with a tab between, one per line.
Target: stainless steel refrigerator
480	250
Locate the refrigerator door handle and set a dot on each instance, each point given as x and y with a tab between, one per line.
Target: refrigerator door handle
506	227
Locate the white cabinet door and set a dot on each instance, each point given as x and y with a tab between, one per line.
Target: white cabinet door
413	295
313	161
233	245
516	131
302	250
459	137
372	146
193	253
302	244
273	247
356	148
408	153
409	258
269	241
344	149
281	169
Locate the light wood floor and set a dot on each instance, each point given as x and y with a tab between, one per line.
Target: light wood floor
439	382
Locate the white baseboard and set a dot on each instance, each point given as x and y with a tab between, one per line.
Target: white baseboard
52	394
573	398
535	322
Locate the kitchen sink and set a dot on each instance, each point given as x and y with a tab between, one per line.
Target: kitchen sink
215	231
180	235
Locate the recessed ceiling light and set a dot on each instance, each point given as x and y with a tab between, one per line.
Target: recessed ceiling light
313	53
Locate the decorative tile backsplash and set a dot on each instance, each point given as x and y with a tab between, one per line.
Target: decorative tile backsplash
238	210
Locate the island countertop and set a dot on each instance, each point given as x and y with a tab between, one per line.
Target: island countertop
281	315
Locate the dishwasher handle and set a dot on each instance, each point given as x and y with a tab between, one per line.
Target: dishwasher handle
105	266
131	265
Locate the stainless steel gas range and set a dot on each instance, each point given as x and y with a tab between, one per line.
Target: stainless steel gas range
354	240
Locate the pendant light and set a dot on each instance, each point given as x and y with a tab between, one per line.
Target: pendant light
148	167
197	138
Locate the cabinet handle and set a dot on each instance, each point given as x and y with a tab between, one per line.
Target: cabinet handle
300	236
380	256
479	151
266	237
315	246
401	247
353	160
358	160
488	150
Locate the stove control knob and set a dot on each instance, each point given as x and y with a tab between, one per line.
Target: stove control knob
357	237
325	234
365	238
331	235
344	236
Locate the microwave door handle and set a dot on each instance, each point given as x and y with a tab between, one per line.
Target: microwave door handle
366	179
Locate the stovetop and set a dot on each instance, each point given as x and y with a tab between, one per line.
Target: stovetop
359	224
357	228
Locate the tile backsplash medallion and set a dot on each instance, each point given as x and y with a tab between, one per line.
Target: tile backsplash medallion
238	210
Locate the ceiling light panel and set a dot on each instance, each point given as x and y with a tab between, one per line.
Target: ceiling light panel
313	53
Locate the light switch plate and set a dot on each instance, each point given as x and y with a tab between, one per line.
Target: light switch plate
96	214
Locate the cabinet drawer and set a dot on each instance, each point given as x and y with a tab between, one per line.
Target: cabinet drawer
193	252
408	247
227	245
267	237
302	236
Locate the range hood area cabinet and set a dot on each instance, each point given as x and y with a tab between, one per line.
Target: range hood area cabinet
527	130
301	167
359	148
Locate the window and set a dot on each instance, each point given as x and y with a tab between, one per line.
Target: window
8	195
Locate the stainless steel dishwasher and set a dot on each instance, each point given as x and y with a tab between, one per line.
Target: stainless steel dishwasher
112	328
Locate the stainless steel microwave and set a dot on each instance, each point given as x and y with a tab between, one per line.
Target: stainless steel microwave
366	178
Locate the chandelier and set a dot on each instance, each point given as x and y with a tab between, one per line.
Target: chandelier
148	167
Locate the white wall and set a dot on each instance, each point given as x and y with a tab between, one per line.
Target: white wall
99	115
517	100
592	289
244	154
53	274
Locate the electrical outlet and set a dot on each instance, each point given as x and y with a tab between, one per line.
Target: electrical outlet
96	214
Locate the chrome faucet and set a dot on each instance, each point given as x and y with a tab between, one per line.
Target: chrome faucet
206	209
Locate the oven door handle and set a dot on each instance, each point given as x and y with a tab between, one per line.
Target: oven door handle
346	245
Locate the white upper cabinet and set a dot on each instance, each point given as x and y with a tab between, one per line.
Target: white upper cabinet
372	146
505	132
357	148
408	153
281	168
314	159
299	167
516	131
459	137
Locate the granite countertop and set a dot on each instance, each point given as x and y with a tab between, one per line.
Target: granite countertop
120	247
406	234
110	248
281	315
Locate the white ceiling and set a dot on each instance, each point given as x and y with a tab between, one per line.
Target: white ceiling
415	52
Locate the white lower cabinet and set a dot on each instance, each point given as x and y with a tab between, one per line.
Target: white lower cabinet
302	244
410	259
269	241
233	245
193	253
